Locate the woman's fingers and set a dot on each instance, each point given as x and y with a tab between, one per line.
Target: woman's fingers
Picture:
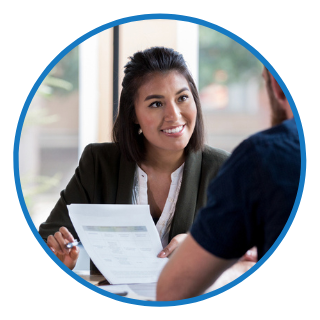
57	243
172	245
62	242
251	255
74	253
66	234
54	245
168	249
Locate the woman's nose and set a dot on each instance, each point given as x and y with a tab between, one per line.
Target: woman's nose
172	112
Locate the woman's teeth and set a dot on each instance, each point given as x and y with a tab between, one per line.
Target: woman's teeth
175	130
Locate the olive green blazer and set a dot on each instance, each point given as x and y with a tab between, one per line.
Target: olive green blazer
104	176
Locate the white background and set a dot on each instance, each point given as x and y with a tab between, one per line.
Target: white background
285	33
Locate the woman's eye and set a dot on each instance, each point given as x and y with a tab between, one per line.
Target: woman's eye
183	98
156	104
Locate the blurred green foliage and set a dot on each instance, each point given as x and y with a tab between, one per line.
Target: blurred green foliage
219	52
64	77
34	185
61	80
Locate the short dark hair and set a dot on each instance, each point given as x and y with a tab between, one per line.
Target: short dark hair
141	65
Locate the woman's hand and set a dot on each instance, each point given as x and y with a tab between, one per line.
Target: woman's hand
173	244
57	244
251	255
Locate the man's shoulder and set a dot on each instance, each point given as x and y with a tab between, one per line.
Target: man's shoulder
279	143
285	130
284	134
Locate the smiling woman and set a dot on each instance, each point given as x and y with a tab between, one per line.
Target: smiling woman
167	119
157	158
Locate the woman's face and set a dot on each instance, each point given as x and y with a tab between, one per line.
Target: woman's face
166	111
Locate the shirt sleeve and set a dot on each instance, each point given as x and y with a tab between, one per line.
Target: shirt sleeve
225	227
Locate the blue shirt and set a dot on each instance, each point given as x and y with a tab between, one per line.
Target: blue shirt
250	200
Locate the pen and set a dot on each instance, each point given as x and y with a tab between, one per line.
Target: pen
123	294
72	244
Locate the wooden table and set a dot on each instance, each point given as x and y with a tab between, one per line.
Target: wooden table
92	278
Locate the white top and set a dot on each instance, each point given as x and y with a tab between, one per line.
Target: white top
140	196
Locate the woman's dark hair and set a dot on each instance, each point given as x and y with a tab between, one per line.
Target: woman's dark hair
141	65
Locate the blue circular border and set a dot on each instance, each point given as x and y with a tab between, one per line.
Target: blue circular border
140	18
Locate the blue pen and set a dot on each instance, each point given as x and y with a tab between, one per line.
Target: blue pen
72	244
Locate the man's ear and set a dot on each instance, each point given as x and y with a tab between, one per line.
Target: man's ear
280	96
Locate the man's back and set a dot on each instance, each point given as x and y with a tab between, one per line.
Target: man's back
252	197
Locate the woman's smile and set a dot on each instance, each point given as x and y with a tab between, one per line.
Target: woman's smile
174	131
166	111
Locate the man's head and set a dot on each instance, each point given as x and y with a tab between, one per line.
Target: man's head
280	107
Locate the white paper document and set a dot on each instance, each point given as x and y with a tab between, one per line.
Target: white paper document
121	240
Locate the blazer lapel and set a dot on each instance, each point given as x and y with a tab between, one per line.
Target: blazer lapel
125	182
187	199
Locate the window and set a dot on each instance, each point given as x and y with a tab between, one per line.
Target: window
48	151
233	98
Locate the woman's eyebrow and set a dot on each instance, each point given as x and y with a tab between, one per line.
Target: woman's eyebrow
183	89
153	96
158	96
